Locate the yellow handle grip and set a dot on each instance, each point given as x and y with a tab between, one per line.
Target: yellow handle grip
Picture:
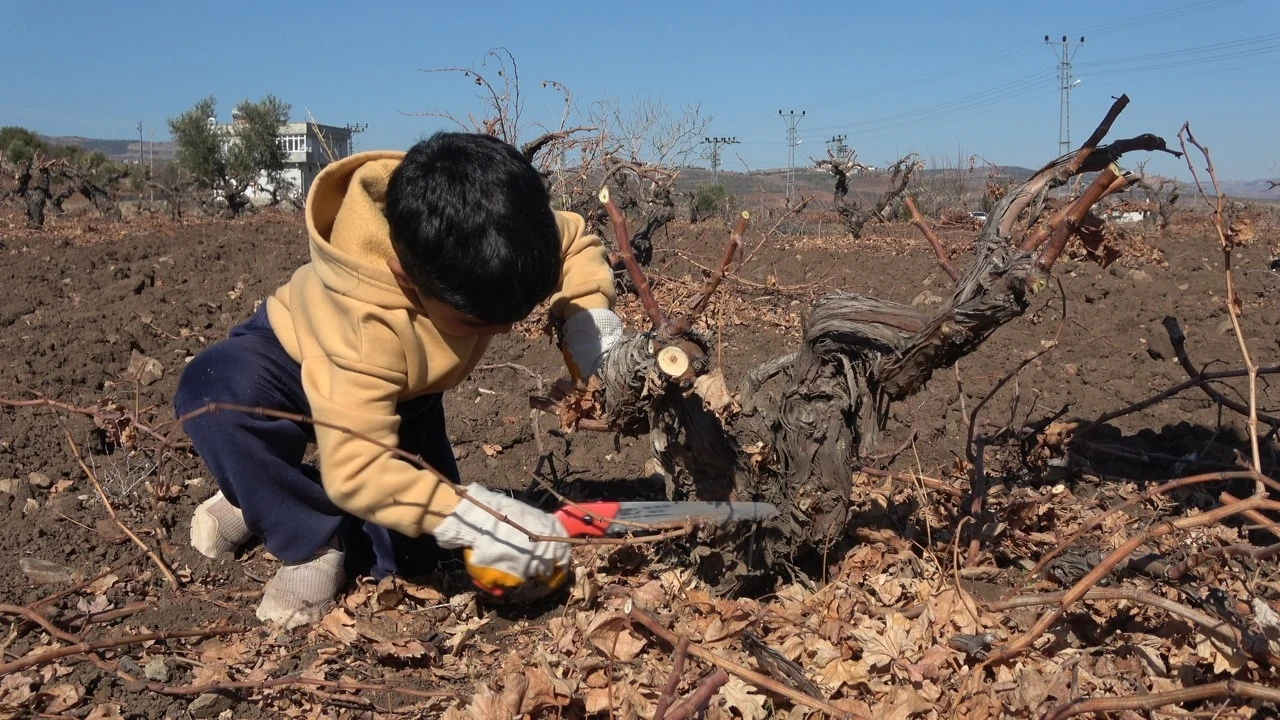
496	582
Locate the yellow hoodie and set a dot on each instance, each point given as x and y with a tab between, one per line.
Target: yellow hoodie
364	349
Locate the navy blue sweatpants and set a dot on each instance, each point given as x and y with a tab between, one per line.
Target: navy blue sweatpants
257	460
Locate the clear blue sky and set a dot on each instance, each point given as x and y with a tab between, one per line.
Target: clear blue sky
943	78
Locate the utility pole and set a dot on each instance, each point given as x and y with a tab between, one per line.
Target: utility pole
836	146
355	129
715	143
151	164
1064	55
141	145
792	119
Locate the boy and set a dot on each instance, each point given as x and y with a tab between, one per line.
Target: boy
417	260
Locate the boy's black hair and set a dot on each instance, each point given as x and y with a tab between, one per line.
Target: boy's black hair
471	224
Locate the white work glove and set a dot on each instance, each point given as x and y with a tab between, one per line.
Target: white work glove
499	557
586	337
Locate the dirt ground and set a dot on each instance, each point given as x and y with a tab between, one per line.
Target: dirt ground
104	318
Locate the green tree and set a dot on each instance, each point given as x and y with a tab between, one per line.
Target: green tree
227	160
707	201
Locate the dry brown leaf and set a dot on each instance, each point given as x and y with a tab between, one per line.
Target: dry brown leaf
650	594
460	633
102	584
15	690
727	625
62	697
398	649
1225	659
934	665
340	626
611	634
715	394
838	673
902	702
491	449
105	711
541	691
598	700
486	705
743	699
98	604
881	648
219	652
511	698
425	593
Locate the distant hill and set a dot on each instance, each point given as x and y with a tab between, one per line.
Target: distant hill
118	150
772	181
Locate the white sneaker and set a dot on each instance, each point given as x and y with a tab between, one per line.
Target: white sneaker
298	593
218	527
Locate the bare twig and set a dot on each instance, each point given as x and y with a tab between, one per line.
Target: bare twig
1201	379
1178	339
734	247
975	448
1109	181
699	698
638	278
82	585
1212	626
1176	572
673	681
155	557
1264	522
1023	642
88	647
1152	701
87	411
1153	492
918	220
35	617
1226	242
931	483
643	617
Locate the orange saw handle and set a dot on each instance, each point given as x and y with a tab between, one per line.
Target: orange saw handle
591	519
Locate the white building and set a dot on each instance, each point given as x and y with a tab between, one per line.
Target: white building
308	147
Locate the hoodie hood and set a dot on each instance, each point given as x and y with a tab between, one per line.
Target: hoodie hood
347	225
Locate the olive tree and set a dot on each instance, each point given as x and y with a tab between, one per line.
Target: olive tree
225	161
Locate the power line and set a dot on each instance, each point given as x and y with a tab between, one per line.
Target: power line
1064	84
715	143
792	120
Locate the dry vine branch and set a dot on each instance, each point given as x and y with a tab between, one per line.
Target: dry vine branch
155	558
1144	497
764	682
638	278
1211	625
699	698
88	647
1023	642
1152	701
1198	381
673	680
1227	241
918	220
1179	341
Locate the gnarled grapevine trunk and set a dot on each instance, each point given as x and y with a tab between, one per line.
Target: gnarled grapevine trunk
796	447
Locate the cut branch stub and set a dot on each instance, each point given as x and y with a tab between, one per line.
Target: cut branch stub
673	361
638	278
